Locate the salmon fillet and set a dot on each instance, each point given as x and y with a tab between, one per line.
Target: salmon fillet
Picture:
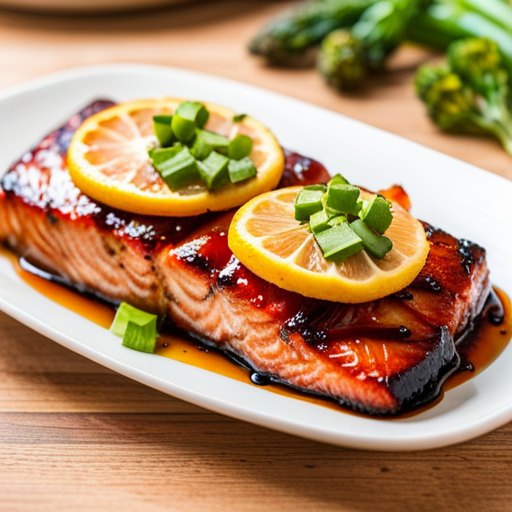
378	357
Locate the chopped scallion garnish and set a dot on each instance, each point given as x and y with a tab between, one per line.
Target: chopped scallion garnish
374	243
241	170
190	159
377	214
136	327
163	130
339	242
343	198
187	118
307	203
240	147
319	221
176	165
341	222
214	170
206	142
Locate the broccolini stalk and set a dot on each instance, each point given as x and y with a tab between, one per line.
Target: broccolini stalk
494	10
286	39
440	24
345	60
471	94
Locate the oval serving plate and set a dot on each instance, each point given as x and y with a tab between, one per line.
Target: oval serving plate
466	201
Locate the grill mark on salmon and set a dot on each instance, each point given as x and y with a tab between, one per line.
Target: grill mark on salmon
379	357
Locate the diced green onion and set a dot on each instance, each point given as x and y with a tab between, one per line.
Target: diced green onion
377	245
338	179
136	327
307	203
141	336
241	170
163	130
123	314
319	221
377	214
194	112
323	188
214	170
187	118
176	165
343	198
339	242
337	220
239	117
240	147
206	142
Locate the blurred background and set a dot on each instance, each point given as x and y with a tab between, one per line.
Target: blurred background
38	37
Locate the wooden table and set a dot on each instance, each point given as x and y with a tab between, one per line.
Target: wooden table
75	436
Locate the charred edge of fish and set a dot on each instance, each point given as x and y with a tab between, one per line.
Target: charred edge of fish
422	384
60	280
468	251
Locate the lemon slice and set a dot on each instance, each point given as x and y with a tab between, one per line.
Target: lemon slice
267	239
108	160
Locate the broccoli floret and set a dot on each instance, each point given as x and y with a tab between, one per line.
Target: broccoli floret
471	93
341	61
448	101
479	63
345	59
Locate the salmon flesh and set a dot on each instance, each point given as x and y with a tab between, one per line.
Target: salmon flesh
379	357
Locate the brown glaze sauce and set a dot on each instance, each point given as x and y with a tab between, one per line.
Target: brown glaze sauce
477	353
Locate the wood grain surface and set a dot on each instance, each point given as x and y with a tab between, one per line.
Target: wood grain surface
75	436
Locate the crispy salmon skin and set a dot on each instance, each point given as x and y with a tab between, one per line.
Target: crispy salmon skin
378	357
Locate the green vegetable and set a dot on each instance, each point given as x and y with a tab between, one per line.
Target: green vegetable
338	219
346	57
241	170
375	244
198	154
176	165
494	10
337	179
214	170
136	327
239	147
163	130
187	118
472	93
339	242
239	117
308	202
206	142
442	23
343	199
328	209
319	221
377	214
287	39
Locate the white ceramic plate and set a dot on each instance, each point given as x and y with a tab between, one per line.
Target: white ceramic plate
464	200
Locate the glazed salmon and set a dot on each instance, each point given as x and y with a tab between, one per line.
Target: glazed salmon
379	357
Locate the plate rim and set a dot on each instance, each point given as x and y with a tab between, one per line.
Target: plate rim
455	435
